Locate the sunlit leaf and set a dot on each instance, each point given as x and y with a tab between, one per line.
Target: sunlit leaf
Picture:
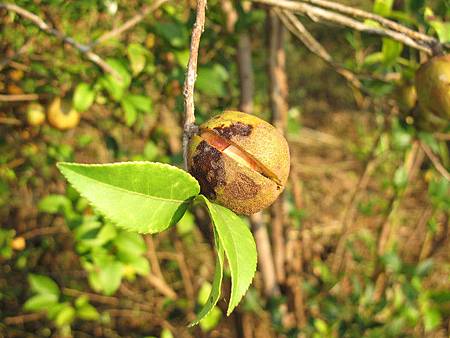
240	250
83	97
144	197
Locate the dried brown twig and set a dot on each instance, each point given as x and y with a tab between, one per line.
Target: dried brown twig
355	12
18	97
435	160
191	75
402	34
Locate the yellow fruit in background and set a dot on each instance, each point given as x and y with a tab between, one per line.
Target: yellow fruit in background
241	161
62	115
406	97
433	92
18	243
35	114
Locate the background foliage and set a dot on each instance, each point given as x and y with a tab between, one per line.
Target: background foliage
67	271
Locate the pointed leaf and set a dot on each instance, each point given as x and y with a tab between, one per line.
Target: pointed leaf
83	97
43	284
216	287
140	196
40	302
110	277
239	246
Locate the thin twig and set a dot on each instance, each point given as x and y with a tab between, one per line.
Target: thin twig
21	319
191	75
44	231
320	14
143	12
84	49
92	296
371	16
161	286
10	121
435	160
18	97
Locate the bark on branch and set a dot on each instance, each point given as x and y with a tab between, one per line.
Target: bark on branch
387	27
191	75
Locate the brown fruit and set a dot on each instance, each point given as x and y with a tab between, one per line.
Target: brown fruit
433	92
35	114
241	161
61	115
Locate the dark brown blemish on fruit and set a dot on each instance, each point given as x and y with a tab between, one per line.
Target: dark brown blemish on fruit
208	169
242	188
234	129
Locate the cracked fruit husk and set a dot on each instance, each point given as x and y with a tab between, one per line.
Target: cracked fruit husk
433	93
241	161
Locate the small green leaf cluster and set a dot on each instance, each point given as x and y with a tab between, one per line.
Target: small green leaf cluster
106	253
6	238
46	297
405	303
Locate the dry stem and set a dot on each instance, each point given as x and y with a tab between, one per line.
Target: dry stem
435	160
320	14
191	75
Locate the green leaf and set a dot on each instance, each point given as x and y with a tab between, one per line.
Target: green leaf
442	28
211	320
186	224
40	302
175	33
400	178
137	56
211	80
214	294
131	243
54	309
431	318
114	86
140	265
383	7
53	204
130	111
65	316
166	333
110	277
391	50
141	102
144	197
87	312
239	246
43	284
83	97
